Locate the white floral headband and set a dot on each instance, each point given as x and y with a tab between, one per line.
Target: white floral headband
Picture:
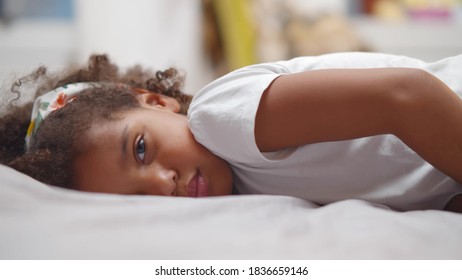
51	101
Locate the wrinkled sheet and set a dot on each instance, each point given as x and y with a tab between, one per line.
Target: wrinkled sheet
42	222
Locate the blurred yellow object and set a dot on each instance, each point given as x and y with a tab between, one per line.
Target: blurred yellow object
389	10
237	32
420	4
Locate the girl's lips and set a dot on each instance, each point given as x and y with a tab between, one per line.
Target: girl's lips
198	187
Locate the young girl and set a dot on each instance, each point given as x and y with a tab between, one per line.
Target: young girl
377	127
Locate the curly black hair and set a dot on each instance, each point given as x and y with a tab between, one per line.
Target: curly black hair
60	137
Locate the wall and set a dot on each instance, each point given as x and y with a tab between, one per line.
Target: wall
157	34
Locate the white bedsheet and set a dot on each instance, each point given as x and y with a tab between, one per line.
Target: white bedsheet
41	222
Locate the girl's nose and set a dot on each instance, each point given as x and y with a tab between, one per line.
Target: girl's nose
161	181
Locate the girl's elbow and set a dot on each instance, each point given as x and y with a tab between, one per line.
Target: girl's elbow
411	95
419	98
409	88
420	89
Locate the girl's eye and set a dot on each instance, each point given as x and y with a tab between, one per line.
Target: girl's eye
140	150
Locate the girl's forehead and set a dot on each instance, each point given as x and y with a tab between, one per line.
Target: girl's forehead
115	124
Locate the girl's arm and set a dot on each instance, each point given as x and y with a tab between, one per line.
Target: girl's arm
342	104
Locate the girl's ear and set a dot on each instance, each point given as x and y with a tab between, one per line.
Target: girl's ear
155	100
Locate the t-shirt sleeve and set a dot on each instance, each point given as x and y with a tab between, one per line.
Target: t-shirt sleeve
222	115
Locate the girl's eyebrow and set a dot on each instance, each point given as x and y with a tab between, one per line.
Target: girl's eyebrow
124	142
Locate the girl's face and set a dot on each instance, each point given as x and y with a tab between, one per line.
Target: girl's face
150	150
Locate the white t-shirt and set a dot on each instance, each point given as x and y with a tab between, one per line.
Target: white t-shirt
378	169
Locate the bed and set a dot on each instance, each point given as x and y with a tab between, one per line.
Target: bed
44	222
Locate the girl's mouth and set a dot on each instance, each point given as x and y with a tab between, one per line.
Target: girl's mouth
198	187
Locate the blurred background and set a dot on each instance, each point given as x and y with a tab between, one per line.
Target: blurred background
207	38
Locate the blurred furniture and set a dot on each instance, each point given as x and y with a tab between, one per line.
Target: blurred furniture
426	40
